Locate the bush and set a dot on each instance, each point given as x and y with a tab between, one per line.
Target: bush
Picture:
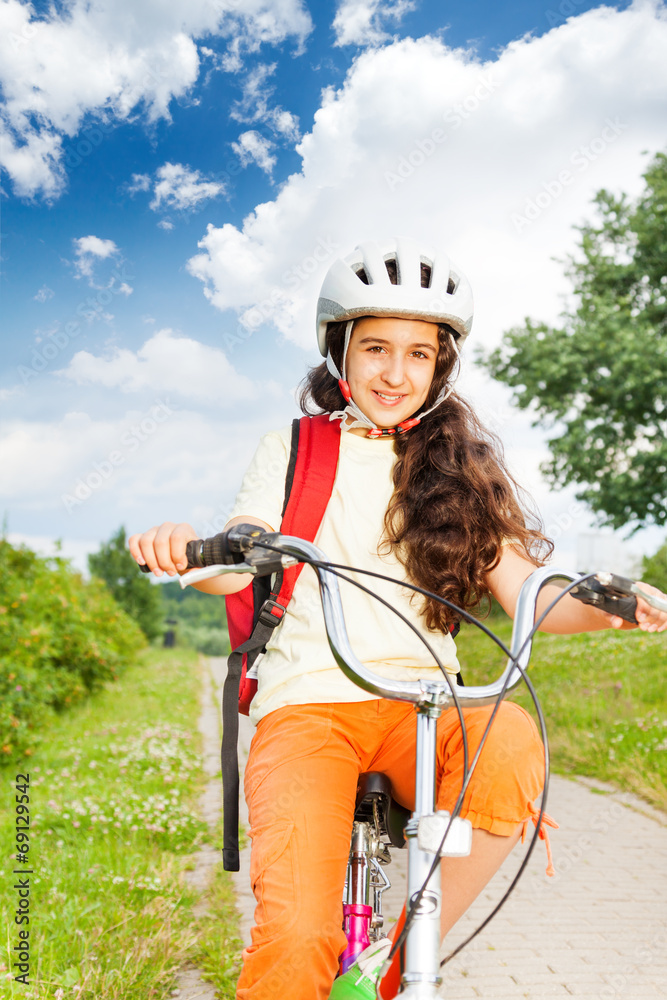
205	639
60	638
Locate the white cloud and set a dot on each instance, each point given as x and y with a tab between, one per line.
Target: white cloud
139	182
253	147
359	22
44	294
254	105
32	159
181	188
11	392
286	124
87	250
125	289
114	60
130	470
165	363
165	224
262	23
430	142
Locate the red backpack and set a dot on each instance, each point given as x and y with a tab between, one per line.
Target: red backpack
253	613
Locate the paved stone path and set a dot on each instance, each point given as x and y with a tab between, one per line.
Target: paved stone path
597	929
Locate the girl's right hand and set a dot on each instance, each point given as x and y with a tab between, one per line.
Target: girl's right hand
163	549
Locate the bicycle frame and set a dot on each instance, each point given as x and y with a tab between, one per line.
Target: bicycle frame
421	966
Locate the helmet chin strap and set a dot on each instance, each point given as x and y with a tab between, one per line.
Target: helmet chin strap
359	417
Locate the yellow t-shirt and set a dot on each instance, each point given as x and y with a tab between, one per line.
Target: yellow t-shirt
298	666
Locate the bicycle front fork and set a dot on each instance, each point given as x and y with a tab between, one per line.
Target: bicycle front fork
366	881
421	964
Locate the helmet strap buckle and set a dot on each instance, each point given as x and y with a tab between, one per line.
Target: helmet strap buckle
345	389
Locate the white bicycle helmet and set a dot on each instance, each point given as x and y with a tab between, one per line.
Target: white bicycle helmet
360	285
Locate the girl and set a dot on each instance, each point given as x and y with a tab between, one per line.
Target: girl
421	490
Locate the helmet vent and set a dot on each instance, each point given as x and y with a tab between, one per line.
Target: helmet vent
451	286
392	269
426	272
361	274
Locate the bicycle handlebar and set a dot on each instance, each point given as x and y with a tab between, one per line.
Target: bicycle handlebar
422	692
242	549
246	541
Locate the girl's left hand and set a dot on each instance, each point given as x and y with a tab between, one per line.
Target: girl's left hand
648	617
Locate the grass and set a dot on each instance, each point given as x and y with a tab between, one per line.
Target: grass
218	952
604	696
114	823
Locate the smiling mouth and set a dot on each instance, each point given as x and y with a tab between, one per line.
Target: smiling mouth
386	398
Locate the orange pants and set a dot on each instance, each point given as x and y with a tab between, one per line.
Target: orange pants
300	785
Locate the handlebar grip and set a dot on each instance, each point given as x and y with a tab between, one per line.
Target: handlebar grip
225	548
214	551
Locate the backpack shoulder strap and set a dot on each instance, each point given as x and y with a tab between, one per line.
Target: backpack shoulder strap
312	485
309	481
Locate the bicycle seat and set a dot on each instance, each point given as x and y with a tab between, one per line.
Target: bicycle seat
376	787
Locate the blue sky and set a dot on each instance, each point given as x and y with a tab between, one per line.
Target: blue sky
177	176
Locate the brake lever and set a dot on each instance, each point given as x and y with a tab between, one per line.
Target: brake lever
609	593
208	572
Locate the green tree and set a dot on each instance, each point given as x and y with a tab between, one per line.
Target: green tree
654	568
133	591
599	380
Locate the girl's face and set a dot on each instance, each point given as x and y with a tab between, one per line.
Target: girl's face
390	366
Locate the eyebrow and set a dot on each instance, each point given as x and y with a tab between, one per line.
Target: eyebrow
380	340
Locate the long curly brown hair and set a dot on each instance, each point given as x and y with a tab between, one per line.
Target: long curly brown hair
454	499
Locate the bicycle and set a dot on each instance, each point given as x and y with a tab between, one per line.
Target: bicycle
379	822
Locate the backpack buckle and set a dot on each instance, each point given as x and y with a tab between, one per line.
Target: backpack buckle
271	613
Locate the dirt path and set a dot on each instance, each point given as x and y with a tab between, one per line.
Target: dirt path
189	984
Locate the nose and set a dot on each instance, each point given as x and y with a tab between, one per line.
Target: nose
393	372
